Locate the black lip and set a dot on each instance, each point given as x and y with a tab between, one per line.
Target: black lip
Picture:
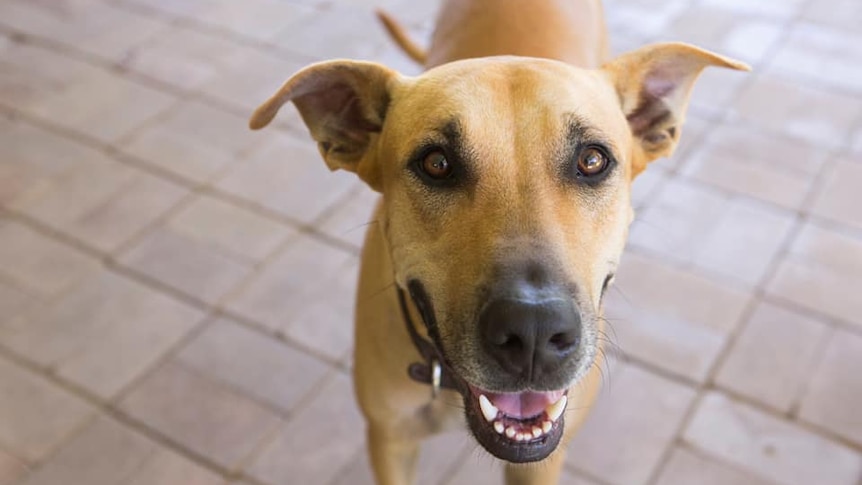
501	446
494	443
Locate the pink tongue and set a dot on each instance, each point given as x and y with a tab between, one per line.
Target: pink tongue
523	404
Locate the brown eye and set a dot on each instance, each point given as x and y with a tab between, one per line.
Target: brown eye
592	161
436	166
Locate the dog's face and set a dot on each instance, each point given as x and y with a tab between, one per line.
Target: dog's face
506	204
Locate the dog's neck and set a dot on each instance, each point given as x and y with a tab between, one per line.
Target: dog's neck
565	30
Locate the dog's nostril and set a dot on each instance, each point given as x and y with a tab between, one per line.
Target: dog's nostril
512	342
563	341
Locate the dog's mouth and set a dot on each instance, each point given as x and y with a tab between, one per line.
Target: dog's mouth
517	427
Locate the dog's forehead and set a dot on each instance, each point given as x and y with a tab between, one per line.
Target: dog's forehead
496	97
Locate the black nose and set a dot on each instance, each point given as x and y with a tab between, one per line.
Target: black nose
530	333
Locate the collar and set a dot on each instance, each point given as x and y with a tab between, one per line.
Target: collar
433	370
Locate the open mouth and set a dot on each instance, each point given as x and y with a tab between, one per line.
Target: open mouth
517	427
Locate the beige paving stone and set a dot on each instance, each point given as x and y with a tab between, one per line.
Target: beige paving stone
318	442
821	272
821	117
194	140
686	467
834	395
280	291
822	55
775	9
324	321
774	356
776	169
103	334
727	235
179	8
629	427
97	28
235	231
646	186
353	33
642	18
222	425
259	366
353	215
36	414
14	301
185	57
838	197
11	468
39	264
187	265
103	204
769	447
673	319
846	14
108	453
478	469
260	20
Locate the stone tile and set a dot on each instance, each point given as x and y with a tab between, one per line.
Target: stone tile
845	14
103	334
834	395
686	467
184	57
646	186
13	302
279	292
324	321
820	117
351	219
822	55
288	176
313	447
478	469
108	453
36	415
187	265
633	421
221	425
103	204
260	20
11	468
673	319
96	28
821	272
725	31
179	8
773	357
714	92
642	18
235	231
38	264
838	197
194	140
347	34
775	169
727	235
769	447
259	366
774	9
251	80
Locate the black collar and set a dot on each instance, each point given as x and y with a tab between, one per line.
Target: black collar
434	370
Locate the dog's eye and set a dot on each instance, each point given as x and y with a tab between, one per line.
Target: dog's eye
592	161
436	166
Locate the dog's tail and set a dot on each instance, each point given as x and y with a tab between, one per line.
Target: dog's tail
396	31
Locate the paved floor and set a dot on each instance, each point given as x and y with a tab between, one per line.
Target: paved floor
175	291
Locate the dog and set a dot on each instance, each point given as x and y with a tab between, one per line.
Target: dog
505	173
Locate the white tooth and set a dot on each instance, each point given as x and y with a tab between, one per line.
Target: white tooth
520	437
498	427
488	409
556	410
537	431
546	426
510	432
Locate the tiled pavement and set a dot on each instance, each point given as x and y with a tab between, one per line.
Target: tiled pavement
175	291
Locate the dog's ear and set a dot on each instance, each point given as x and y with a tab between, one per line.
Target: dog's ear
343	103
654	85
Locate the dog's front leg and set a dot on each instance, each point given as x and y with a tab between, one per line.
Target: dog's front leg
543	473
393	458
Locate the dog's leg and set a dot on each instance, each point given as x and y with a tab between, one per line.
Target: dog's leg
544	473
392	458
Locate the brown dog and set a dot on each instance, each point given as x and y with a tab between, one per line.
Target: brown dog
505	206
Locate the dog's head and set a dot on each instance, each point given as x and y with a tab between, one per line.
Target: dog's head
506	204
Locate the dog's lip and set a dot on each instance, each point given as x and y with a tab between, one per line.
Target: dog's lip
526	427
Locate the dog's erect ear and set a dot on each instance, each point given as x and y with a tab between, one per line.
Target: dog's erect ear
654	85
343	103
